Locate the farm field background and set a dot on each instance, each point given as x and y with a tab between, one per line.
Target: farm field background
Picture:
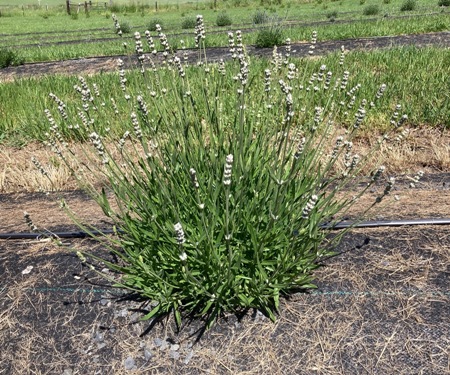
41	35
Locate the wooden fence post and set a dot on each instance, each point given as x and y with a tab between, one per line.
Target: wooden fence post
86	7
156	6
68	6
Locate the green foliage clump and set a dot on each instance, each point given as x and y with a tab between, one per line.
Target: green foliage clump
408	6
269	37
151	25
9	57
223	19
332	15
371	10
189	22
444	3
219	189
260	17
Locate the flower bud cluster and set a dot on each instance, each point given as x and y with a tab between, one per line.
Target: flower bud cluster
29	222
312	47
163	40
327	83
199	30
292	72
355	161
221	68
114	105
122	140
239	45
97	142
337	146
342	56
309	206
117	25
227	170
404	133
61	106
177	63
387	189
122	79
142	106
380	91
243	70
376	176
317	117
194	180
277	59
39	166
232	45
287	50
360	114
300	148
416	179
139	49
150	42
86	96
344	80
348	153
179	233
267	80
136	127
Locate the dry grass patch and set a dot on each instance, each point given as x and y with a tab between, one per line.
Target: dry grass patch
427	149
380	308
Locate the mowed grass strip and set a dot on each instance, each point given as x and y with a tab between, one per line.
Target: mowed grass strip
89	45
423	92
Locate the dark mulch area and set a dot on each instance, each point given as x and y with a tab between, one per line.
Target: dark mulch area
382	307
109	63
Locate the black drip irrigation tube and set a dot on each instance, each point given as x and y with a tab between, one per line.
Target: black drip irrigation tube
336	226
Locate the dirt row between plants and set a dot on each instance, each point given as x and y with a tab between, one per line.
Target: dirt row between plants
94	65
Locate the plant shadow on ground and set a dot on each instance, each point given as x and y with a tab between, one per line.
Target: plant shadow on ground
381	305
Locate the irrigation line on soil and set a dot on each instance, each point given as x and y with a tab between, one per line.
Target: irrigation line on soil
341	293
336	226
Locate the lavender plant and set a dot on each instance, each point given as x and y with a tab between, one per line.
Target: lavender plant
220	187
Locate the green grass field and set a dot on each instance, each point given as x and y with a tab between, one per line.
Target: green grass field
43	35
405	70
423	92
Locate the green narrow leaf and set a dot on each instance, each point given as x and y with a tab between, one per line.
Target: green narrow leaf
151	314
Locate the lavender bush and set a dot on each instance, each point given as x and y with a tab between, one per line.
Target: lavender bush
221	184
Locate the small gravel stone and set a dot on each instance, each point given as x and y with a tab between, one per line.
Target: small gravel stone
121	313
188	357
147	354
67	371
104	302
174	347
164	345
174	354
158	342
101	345
130	364
99	337
134	317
